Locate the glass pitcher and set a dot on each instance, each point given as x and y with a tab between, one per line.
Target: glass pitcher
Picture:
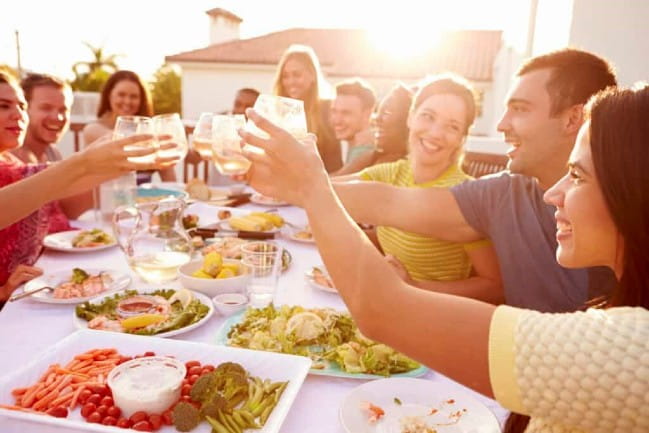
152	237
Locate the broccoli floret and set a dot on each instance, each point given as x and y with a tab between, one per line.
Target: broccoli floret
216	403
230	367
185	417
202	388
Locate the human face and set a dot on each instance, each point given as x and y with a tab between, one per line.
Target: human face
437	128
391	123
534	136
49	114
296	79
243	101
348	116
125	98
13	117
586	233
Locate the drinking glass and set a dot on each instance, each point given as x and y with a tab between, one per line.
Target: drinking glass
226	144
126	126
286	113
263	261
170	124
202	136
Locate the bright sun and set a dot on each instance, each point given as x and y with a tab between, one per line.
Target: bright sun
405	42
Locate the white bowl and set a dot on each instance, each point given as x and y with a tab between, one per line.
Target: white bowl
212	287
150	384
230	303
237	189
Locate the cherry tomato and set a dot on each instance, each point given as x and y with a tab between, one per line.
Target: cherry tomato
87	409
167	418
94	398
58	412
123	423
142	426
123	359
107	401
185	389
155	421
149	354
193	378
190	364
94	417
102	390
206	370
139	416
195	370
109	420
184	398
83	397
114	411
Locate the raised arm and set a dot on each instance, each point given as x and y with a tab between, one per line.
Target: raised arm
445	332
431	212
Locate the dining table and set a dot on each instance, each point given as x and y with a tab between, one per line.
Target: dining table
28	326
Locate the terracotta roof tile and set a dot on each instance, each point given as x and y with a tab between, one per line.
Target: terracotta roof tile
350	52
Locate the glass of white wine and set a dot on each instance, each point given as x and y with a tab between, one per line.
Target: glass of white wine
153	239
126	126
170	124
226	144
202	136
286	113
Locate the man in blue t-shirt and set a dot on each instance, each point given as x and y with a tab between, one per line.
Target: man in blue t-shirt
543	115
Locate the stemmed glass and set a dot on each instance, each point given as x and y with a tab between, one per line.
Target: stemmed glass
286	113
202	135
226	144
127	126
170	124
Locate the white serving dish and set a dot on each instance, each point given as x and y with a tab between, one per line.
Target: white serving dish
274	366
212	287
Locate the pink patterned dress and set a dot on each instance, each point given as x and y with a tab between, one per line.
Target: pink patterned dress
21	242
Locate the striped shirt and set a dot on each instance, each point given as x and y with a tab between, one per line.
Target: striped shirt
426	259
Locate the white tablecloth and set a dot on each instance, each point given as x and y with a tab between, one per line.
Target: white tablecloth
28	327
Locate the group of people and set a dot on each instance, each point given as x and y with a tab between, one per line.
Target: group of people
470	271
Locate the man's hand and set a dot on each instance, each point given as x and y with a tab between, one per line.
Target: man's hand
282	167
20	275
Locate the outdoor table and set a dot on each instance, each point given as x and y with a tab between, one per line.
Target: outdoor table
28	327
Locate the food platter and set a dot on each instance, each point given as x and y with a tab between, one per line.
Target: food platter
62	241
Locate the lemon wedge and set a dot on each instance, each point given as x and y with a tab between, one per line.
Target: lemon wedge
142	321
305	326
225	273
182	295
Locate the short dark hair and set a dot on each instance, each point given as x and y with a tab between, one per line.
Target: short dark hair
619	138
359	88
576	76
146	106
32	81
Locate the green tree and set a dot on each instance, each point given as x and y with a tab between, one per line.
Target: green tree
166	90
91	75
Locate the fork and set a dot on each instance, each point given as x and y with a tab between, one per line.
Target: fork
31	292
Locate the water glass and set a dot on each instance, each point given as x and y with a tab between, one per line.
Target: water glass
226	144
286	113
170	124
202	135
127	126
263	261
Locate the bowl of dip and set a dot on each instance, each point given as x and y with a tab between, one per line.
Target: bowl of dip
150	384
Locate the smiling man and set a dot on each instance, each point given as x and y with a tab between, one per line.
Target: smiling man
49	102
543	115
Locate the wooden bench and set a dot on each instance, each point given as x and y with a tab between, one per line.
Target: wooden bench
478	164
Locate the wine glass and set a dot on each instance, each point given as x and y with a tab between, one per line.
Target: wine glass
202	136
170	124
226	144
127	126
286	113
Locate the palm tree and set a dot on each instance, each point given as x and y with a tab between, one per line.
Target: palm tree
91	75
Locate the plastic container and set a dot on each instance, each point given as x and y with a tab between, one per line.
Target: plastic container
150	384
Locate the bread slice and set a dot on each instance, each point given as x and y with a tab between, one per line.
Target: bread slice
197	189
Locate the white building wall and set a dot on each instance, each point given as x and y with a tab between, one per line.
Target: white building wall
617	30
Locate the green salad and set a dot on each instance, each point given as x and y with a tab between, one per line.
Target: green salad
324	335
143	314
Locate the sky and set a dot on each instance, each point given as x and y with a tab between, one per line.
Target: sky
143	32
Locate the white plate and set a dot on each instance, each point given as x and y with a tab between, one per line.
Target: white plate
120	281
418	397
263	200
83	324
274	366
290	232
309	278
62	241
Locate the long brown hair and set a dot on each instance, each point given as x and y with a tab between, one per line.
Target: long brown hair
146	106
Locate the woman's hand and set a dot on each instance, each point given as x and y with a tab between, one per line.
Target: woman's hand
20	275
283	167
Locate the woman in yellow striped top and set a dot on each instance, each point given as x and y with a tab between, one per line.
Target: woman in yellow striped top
442	111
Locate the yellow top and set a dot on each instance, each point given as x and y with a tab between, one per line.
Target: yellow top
426	259
573	372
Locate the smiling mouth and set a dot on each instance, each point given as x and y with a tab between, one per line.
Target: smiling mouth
430	147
